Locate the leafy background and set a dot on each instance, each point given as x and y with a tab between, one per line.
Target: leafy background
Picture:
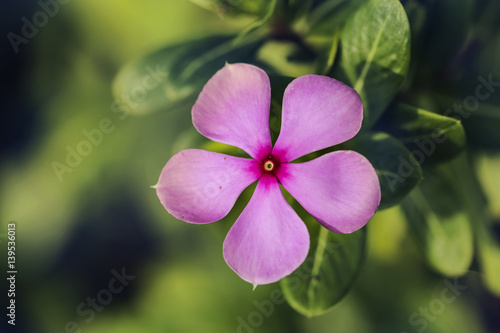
411	61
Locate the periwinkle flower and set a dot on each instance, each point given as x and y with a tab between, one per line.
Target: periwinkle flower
340	189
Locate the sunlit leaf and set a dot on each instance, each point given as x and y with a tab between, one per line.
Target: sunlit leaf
376	53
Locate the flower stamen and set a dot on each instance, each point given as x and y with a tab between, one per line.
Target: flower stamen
269	165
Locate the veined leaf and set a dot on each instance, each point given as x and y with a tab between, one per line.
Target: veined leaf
328	272
376	53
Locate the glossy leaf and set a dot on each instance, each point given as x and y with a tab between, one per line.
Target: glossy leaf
328	273
376	53
173	76
429	136
436	213
397	170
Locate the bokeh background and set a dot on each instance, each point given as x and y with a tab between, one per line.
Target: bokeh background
74	230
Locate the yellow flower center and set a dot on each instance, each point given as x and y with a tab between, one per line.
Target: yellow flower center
268	166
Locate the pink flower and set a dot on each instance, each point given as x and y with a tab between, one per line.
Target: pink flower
340	189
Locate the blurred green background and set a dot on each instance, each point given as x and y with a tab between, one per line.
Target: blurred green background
73	230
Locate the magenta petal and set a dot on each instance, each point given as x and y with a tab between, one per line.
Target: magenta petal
199	186
318	112
340	189
233	108
268	241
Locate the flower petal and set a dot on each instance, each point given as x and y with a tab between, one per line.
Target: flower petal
233	108
268	241
340	190
199	186
318	112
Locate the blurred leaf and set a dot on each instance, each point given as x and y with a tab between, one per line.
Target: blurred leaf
288	57
481	123
489	259
489	179
446	28
376	53
429	136
436	213
488	245
260	22
278	86
327	15
173	76
396	168
328	273
482	127
232	7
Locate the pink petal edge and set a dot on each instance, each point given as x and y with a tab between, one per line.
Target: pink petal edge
268	241
340	190
318	112
233	108
199	186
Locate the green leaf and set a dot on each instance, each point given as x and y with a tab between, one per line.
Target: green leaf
173	76
326	16
260	22
489	258
232	7
396	168
328	273
376	53
481	122
436	213
429	136
488	246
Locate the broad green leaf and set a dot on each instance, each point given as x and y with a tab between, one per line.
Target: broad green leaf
397	170
328	273
436	213
173	76
429	136
376	53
